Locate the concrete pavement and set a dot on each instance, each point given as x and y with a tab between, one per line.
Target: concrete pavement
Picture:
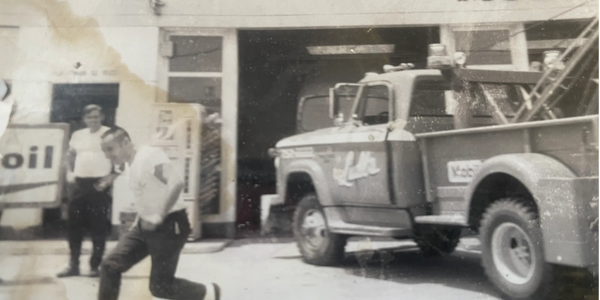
58	247
265	269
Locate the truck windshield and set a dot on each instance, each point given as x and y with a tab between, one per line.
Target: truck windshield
314	112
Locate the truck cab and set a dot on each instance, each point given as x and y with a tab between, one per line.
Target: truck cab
377	119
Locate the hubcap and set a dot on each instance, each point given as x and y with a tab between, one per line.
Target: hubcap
313	229
513	254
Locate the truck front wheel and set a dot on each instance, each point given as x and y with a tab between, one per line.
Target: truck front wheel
513	256
317	245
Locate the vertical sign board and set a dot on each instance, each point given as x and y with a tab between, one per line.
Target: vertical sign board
176	130
31	172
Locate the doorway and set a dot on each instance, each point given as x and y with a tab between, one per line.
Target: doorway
68	101
278	67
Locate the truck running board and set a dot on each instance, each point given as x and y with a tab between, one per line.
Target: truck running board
455	220
366	230
337	225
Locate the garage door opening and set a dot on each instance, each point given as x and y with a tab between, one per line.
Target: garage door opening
278	67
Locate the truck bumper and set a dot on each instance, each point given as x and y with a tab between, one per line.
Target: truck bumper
569	219
266	201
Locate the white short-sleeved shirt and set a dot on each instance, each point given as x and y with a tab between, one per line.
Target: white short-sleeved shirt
150	193
90	160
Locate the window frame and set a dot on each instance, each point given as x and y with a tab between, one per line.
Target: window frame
517	43
358	100
418	80
164	74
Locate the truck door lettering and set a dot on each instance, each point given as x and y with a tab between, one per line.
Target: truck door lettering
365	166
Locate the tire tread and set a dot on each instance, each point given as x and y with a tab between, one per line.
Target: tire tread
334	252
527	212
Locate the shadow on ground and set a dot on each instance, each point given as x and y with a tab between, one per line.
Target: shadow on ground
461	270
407	265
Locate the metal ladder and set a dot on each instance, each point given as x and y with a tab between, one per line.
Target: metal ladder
552	86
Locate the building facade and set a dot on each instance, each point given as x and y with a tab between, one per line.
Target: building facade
249	61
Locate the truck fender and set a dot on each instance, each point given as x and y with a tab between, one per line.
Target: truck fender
528	168
314	170
555	190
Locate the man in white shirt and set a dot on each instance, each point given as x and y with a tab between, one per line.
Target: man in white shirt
161	228
90	200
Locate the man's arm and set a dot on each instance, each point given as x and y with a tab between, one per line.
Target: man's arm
69	162
107	180
166	174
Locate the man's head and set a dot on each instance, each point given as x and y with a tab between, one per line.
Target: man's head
93	116
117	145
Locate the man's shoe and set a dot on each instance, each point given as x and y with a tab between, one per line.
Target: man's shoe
94	273
68	272
213	292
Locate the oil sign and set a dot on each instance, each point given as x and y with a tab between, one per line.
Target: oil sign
31	173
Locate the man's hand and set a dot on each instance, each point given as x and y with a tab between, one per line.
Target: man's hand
150	223
101	185
70	177
105	182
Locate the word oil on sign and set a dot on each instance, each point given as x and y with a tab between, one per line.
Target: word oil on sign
31	172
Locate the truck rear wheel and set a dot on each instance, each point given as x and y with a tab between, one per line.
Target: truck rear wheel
513	255
317	245
437	241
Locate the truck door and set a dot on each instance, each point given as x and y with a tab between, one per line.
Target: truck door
331	144
364	164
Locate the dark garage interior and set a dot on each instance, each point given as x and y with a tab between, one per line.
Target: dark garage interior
277	69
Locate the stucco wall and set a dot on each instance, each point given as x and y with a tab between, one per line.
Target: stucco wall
309	13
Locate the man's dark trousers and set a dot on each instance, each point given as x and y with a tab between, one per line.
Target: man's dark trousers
164	246
88	212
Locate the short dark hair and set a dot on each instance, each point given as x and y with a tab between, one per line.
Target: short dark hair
118	133
90	108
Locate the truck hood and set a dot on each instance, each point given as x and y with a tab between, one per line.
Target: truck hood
321	136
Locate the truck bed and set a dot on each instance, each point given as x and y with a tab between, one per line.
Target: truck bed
451	158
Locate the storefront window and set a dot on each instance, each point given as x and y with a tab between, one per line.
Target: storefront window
196	54
194	70
203	90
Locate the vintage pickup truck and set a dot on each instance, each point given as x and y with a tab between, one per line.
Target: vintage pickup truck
395	165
